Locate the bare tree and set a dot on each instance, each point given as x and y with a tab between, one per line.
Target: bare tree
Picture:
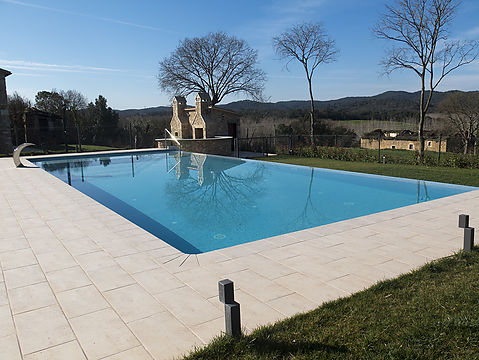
75	103
462	110
216	64
419	29
310	45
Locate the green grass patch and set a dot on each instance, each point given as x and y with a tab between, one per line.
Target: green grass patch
60	149
432	173
431	313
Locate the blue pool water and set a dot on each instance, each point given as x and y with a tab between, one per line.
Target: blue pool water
198	203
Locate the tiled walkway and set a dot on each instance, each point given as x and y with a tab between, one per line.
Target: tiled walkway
81	282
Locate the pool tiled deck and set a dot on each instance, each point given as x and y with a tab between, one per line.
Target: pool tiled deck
81	282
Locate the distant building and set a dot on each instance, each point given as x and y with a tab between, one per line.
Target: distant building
6	146
203	121
41	127
403	140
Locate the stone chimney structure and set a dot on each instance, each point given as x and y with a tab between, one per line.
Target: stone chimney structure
203	103
6	146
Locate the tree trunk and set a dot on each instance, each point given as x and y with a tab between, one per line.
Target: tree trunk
312	110
466	145
422	115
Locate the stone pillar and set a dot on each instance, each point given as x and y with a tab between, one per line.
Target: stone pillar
5	132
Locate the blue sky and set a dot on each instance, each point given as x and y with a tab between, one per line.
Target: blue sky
112	48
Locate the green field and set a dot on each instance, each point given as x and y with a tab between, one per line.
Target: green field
432	173
60	149
431	313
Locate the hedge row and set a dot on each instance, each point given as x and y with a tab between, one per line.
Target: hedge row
392	157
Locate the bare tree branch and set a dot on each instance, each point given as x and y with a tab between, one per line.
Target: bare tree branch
419	29
310	45
216	64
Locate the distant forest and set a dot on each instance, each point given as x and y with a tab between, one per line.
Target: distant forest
397	109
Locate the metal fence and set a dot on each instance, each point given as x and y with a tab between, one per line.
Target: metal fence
284	144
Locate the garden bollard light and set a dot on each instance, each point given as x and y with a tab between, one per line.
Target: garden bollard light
468	232
468	239
463	221
232	308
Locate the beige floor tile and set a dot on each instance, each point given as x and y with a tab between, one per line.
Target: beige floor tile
164	336
67	279
132	302
31	297
43	328
13	243
188	306
56	260
292	304
95	261
23	276
201	280
394	268
110	278
6	321
179	264
211	257
102	333
137	353
259	286
3	294
254	312
81	301
17	258
80	246
207	331
264	266
351	283
226	267
136	263
9	348
68	351
157	280
311	288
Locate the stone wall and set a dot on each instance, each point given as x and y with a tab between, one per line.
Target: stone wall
6	146
429	145
215	146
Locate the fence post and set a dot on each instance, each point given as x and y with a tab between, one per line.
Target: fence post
379	148
439	154
232	308
290	144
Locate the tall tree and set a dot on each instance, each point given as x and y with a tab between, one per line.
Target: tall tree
75	104
419	30
17	105
310	45
217	64
50	101
462	110
103	121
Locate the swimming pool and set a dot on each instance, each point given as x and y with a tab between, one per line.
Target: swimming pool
198	203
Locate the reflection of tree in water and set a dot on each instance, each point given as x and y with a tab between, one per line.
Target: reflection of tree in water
205	188
309	213
105	161
61	167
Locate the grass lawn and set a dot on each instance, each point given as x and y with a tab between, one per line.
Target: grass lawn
431	313
441	174
60	149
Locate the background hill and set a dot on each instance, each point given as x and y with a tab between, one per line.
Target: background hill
388	102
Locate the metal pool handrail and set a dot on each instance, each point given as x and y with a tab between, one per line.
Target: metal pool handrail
172	138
